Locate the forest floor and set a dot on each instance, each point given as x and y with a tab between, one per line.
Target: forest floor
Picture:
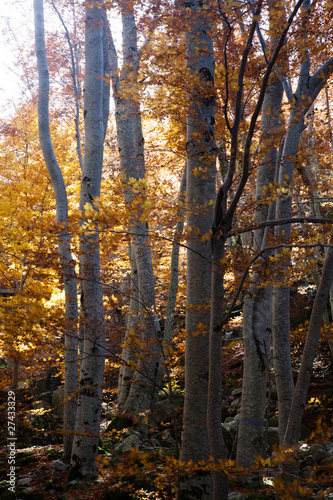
146	475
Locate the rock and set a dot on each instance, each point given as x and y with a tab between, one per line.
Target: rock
229	430
155	443
41	405
235	403
59	465
329	447
108	411
253	482
318	453
131	441
166	411
58	401
45	396
48	380
327	462
44	427
24	480
308	461
237	392
226	392
304	450
78	484
235	495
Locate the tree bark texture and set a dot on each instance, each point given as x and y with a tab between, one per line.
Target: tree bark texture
131	151
218	449
201	172
64	243
85	446
257	310
308	88
310	349
129	356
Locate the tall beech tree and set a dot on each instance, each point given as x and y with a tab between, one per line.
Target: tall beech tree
200	182
64	243
257	334
136	389
298	403
96	110
257	308
308	88
85	443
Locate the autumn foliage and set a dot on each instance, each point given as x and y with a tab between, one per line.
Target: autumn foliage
157	85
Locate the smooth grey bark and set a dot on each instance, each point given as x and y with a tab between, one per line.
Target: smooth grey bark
173	289
257	310
131	151
224	214
217	445
309	352
174	265
201	172
330	343
64	243
308	88
128	357
85	446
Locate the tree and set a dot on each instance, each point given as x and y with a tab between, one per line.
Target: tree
29	309
64	244
253	411
136	394
201	171
257	309
307	90
85	443
96	110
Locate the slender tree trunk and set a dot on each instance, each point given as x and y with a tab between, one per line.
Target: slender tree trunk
64	244
131	150
310	349
217	445
173	288
257	310
85	446
281	303
201	171
308	88
128	356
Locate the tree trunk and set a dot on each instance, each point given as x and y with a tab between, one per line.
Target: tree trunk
85	446
201	171
128	356
131	150
173	289
257	310
309	352
281	302
64	244
308	88
217	445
